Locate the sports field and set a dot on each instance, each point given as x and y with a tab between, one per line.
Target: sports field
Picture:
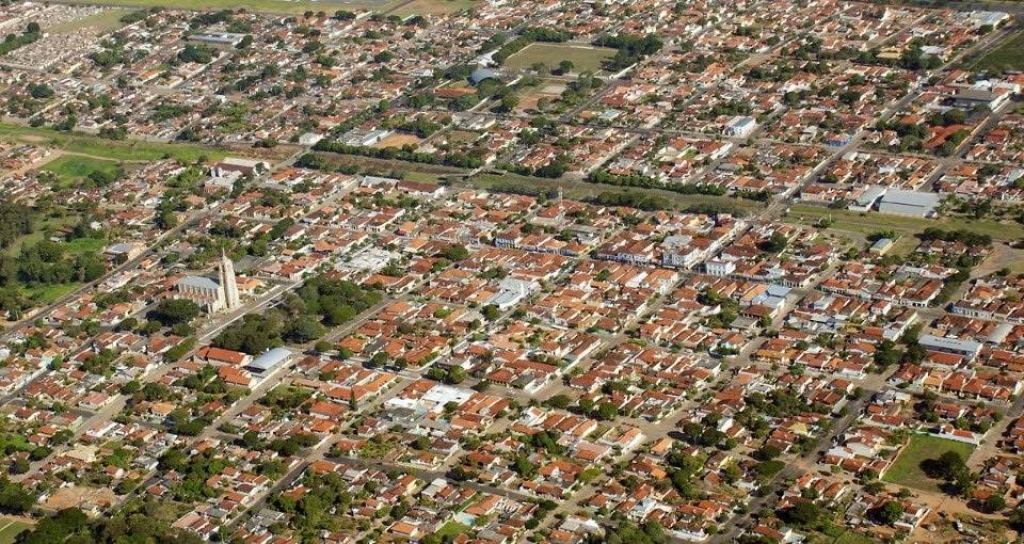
585	58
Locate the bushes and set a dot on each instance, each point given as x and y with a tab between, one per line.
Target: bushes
253	334
179	351
631	48
14	41
456	160
200	54
171	312
963	236
14	498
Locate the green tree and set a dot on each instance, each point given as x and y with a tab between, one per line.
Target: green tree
175	310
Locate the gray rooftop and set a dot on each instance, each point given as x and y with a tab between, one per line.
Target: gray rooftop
270	359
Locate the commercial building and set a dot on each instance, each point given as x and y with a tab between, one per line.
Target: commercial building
910	203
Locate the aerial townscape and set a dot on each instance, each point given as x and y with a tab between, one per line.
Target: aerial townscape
511	271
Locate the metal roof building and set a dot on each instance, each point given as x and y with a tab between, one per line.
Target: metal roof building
272	358
950	345
912	203
481	74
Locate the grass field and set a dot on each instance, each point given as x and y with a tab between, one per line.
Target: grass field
452	529
850	537
10	529
584	57
50	293
101	23
88	144
421	177
581	190
1008	56
433	7
906	471
44	227
85	245
269	6
872	222
71	168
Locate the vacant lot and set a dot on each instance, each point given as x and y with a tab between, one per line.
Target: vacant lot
269	6
88	144
872	222
72	168
71	497
1008	56
583	57
101	23
550	89
433	7
50	294
398	140
906	471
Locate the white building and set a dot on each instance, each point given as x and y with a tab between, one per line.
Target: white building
212	295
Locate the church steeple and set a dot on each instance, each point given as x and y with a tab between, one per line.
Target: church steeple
228	285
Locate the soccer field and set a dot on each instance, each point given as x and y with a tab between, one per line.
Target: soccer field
584	58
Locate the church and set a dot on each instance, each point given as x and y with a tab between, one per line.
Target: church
212	295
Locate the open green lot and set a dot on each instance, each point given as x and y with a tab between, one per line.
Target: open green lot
50	293
269	6
451	529
95	146
433	7
1008	56
850	537
86	245
585	58
70	168
872	222
10	529
44	227
101	23
906	471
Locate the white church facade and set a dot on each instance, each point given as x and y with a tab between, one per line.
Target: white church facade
212	295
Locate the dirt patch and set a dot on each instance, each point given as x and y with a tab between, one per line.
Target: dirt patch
398	140
76	497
